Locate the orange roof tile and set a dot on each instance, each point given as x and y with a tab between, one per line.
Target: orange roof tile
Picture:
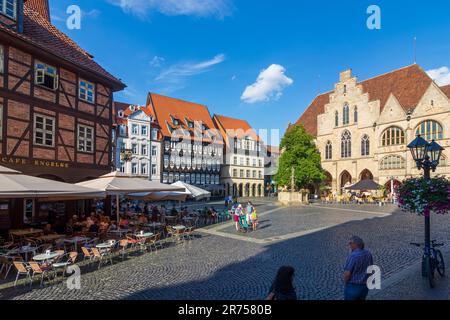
40	6
236	127
126	108
166	107
446	90
407	84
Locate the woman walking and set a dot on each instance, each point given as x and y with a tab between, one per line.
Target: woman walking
283	286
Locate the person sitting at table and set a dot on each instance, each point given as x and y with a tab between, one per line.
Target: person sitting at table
89	222
94	228
48	229
142	219
155	214
112	226
104	225
124	222
174	211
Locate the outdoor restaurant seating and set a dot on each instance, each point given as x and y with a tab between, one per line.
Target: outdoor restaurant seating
22	269
64	261
43	271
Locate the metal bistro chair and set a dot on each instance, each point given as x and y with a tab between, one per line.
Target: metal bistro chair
39	270
88	255
101	256
63	262
123	248
22	269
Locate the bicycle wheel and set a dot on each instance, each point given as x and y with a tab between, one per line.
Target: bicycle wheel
440	263
430	271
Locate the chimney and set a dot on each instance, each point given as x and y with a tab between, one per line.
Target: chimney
40	6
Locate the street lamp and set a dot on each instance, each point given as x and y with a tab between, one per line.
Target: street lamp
427	156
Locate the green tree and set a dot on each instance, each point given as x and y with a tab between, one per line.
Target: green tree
300	153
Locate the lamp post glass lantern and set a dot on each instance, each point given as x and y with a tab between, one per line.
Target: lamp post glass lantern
427	156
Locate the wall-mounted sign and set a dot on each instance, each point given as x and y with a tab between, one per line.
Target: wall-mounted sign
37	163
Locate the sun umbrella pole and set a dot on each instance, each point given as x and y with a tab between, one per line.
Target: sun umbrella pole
117	209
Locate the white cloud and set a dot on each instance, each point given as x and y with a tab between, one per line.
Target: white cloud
173	78
198	8
156	62
94	13
440	75
269	85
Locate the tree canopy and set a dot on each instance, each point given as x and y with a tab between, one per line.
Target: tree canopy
300	153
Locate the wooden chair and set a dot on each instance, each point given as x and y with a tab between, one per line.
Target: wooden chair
37	269
22	269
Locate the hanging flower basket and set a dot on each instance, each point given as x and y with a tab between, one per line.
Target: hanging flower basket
423	197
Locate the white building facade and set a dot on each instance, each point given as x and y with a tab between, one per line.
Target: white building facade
138	151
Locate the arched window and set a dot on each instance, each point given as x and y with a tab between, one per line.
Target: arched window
329	151
355	115
393	163
336	119
393	136
346	115
430	130
346	144
365	145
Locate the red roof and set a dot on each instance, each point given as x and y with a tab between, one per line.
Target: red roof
407	84
166	109
238	128
446	90
38	31
40	6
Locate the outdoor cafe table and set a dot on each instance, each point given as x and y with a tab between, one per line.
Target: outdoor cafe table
106	245
49	237
25	232
144	235
45	257
178	228
76	240
24	250
119	232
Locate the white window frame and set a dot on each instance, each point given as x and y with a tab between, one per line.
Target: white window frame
84	139
154	151
44	131
144	167
134	129
144	149
41	70
86	91
4	4
133	146
144	128
134	165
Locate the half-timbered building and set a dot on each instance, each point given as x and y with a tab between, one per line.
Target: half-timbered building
55	107
55	100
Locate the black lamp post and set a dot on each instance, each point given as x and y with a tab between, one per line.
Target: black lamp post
427	156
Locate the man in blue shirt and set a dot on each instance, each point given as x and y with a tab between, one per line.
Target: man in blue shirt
355	270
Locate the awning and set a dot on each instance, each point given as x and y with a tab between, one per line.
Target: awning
14	184
364	185
193	191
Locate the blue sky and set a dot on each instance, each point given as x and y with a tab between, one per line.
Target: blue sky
213	51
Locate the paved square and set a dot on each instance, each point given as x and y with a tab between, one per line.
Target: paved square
223	264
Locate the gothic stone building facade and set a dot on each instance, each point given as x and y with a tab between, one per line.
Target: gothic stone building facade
362	129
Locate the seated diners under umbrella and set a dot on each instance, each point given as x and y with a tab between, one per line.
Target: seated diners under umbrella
118	183
14	184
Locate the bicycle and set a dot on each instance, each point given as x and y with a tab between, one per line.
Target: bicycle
433	261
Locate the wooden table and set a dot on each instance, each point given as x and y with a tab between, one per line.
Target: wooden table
23	233
49	237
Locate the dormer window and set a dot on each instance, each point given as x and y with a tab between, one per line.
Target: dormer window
9	8
190	124
46	76
120	113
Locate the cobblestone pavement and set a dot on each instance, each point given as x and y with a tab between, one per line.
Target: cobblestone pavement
224	267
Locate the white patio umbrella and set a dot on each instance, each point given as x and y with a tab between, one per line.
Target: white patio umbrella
14	184
160	196
117	183
194	192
